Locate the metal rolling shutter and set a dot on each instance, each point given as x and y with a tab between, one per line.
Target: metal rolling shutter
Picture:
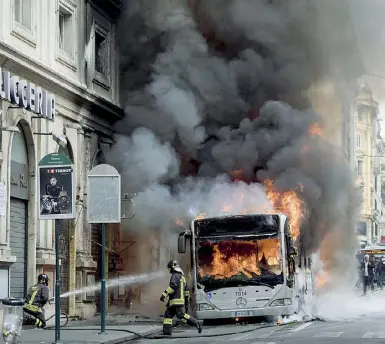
18	244
64	230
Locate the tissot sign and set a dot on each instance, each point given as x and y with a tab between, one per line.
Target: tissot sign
26	95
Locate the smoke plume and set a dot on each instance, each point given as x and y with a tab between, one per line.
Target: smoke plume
217	86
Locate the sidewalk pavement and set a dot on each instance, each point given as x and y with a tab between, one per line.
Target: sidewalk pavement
89	334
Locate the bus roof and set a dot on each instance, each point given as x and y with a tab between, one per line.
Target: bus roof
218	217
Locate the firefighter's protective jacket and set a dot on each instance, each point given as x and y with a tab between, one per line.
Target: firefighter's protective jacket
37	297
177	291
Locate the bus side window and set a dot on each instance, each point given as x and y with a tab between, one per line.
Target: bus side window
192	263
290	262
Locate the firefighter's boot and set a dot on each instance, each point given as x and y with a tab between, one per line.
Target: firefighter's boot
183	323
199	326
167	326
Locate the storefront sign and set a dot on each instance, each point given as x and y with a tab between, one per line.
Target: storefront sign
56	187
19	181
27	95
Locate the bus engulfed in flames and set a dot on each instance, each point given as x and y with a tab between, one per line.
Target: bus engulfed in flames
246	257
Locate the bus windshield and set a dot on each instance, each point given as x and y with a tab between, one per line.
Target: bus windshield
228	262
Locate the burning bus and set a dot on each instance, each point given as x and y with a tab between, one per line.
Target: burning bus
243	266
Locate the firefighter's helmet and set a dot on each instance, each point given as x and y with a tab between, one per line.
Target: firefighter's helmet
43	279
172	265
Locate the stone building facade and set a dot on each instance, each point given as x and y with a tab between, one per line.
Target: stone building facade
366	120
59	74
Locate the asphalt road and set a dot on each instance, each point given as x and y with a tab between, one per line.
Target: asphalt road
360	331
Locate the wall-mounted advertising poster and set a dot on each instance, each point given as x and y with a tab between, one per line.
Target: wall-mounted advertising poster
56	188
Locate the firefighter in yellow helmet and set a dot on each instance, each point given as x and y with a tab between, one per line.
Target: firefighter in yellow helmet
178	294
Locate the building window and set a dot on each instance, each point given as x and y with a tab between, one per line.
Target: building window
359	168
358	141
101	54
65	31
383	193
360	114
23	13
102	33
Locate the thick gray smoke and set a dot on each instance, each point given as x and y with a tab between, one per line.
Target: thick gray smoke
214	89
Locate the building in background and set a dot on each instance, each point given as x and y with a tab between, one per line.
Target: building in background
365	138
379	200
63	53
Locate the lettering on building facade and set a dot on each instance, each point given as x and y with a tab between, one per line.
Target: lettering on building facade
27	95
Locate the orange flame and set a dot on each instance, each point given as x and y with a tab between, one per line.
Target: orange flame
315	130
178	222
325	254
237	174
321	280
230	258
288	203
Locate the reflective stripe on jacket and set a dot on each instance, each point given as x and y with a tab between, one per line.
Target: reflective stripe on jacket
177	290
37	297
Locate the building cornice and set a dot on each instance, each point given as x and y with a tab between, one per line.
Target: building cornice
59	84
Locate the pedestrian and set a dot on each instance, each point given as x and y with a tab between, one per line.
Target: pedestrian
372	271
381	273
177	293
367	271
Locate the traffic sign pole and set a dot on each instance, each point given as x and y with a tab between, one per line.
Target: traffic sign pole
103	282
57	284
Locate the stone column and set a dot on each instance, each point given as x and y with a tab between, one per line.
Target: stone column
84	260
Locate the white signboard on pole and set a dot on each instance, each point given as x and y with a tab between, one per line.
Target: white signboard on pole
103	195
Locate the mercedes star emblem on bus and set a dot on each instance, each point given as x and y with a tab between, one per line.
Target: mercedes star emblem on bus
241	302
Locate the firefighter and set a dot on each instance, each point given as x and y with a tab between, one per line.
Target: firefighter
36	299
178	299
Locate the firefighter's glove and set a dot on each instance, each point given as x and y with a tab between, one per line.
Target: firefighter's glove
162	298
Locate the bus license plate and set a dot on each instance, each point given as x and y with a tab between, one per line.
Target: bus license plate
242	314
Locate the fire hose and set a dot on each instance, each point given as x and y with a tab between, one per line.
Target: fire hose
142	336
